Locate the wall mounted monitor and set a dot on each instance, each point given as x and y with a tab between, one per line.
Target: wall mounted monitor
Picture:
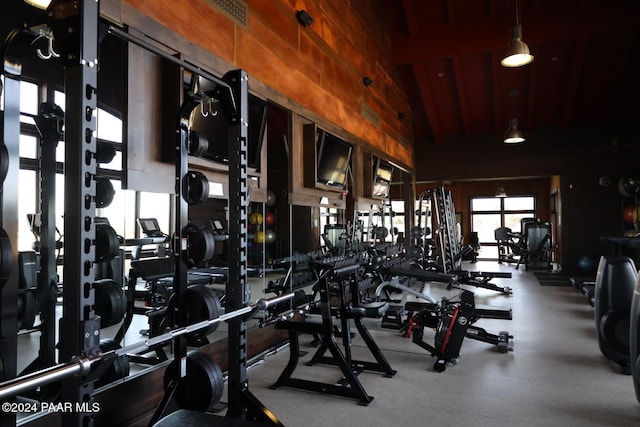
333	156
382	173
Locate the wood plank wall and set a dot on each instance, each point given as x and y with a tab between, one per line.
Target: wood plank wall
319	67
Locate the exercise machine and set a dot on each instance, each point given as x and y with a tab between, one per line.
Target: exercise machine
337	280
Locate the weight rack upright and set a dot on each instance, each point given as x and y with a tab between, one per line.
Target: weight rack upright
75	27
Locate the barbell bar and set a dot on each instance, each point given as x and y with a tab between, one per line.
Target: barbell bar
81	365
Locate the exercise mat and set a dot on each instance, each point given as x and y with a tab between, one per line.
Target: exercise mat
546	278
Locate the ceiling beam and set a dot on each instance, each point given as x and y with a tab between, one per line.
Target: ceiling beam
577	62
531	98
500	126
458	71
426	94
483	34
410	16
451	11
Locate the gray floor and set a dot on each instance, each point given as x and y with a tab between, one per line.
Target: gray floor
555	375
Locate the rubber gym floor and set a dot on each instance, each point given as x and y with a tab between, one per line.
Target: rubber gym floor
554	376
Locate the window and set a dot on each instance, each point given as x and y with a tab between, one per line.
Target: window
489	213
121	212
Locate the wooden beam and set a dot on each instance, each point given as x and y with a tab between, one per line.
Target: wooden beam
579	54
458	70
531	98
427	100
500	126
410	14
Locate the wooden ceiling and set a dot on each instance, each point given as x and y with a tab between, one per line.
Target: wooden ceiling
585	77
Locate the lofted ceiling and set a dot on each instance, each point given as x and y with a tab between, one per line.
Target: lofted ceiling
585	78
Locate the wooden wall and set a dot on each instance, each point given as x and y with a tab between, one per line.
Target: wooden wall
320	68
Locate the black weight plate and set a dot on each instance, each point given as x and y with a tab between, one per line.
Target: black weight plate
104	192
6	256
202	304
4	161
195	187
381	232
109	302
200	244
105	152
203	385
27	308
417	232
416	252
198	144
107	243
118	369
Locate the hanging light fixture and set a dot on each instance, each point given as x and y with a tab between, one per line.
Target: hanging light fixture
514	134
517	53
40	4
500	191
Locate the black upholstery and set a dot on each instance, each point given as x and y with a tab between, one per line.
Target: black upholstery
615	283
372	309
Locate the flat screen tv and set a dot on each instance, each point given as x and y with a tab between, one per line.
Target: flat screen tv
208	119
382	173
333	155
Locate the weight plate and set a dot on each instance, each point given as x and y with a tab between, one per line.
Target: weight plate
381	232
4	161
201	387
198	144
200	244
202	303
107	243
195	187
105	152
26	309
417	232
104	192
6	257
109	302
416	252
118	369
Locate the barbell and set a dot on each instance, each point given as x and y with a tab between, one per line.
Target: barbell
82	365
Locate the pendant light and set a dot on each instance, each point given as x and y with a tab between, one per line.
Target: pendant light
517	53
514	134
40	4
500	191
